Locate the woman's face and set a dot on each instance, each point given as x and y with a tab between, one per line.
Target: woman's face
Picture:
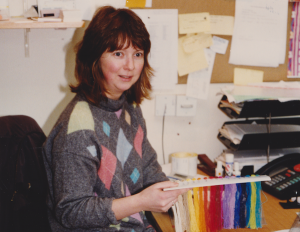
121	69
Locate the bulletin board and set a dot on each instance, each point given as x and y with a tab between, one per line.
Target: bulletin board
223	71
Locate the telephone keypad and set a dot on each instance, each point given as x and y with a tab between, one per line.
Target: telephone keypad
283	180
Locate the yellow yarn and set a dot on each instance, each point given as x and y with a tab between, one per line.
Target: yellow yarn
252	219
196	204
193	221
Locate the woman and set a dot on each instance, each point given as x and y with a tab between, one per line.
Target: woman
102	171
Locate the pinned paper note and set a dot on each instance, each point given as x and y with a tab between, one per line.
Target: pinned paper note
193	43
244	76
198	82
219	45
221	24
190	62
194	23
136	3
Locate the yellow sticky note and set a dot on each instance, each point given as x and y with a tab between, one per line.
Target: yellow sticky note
136	3
194	23
193	43
190	62
244	76
221	24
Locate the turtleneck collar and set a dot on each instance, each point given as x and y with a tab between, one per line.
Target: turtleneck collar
112	105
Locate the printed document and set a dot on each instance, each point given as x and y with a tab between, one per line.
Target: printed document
162	25
259	37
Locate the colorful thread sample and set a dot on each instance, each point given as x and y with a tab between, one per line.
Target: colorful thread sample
231	206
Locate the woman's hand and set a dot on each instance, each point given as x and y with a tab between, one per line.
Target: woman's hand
152	198
155	199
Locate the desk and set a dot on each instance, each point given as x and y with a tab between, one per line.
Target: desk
276	217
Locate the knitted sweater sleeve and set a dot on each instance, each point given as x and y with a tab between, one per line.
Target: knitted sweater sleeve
74	173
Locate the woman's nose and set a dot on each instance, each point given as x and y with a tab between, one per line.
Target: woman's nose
129	63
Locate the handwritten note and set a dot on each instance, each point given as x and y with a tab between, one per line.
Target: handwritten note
259	37
190	62
198	82
219	45
221	24
192	43
194	23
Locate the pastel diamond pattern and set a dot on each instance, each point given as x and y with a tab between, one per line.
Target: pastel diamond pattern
137	216
118	227
107	167
122	188
106	128
118	113
127	117
135	175
138	140
127	191
123	148
92	150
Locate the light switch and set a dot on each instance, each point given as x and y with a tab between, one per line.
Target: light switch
186	106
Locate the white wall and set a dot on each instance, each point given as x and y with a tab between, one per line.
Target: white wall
38	87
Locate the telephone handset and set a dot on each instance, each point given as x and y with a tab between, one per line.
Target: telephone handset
285	176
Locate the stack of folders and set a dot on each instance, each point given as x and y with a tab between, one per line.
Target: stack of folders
235	132
236	107
257	158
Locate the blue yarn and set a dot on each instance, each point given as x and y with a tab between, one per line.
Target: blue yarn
258	205
243	200
248	203
237	205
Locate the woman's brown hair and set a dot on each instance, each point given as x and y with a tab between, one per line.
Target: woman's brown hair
111	29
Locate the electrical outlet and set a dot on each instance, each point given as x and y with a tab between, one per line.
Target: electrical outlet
165	105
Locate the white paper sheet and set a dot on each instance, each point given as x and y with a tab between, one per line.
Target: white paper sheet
162	25
198	82
259	33
87	7
219	45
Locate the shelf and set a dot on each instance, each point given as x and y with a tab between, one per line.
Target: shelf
260	141
263	108
22	23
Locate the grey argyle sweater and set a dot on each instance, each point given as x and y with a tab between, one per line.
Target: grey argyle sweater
93	155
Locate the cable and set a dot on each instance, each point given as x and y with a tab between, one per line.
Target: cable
162	136
269	138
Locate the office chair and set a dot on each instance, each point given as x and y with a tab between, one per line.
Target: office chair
23	183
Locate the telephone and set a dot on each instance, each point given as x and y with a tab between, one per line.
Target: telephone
285	176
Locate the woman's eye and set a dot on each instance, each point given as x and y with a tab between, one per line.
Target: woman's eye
139	54
118	53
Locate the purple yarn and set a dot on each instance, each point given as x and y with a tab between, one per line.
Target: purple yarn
228	206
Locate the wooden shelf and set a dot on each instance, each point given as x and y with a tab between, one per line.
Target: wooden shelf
21	23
